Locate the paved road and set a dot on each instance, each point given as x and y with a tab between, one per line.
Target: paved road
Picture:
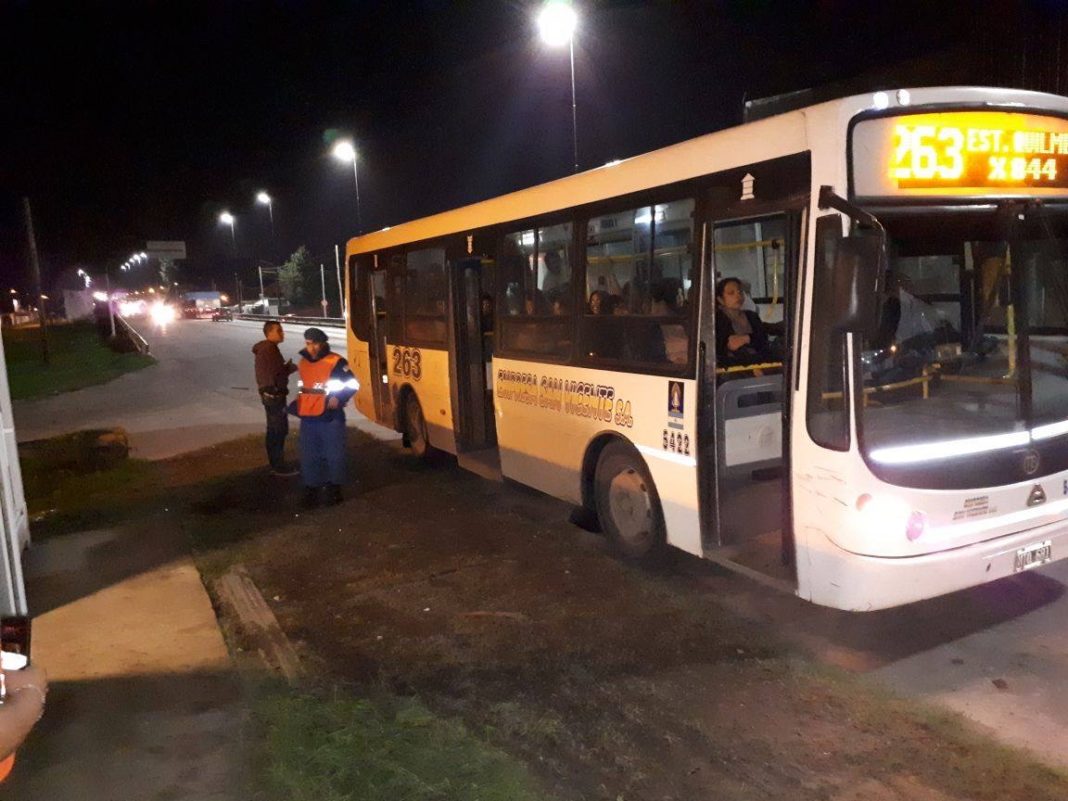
201	392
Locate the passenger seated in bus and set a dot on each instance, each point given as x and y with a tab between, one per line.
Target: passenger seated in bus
535	305
513	299
601	303
664	296
486	313
741	337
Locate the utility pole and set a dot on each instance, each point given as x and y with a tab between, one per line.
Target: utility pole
36	265
322	283
260	268
111	307
340	291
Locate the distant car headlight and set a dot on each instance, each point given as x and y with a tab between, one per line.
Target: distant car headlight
163	314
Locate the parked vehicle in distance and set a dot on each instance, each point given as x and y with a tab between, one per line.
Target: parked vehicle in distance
222	315
201	305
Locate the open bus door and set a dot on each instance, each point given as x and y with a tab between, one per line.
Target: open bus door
751	233
472	343
370	315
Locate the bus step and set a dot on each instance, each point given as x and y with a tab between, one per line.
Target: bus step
485	463
760	560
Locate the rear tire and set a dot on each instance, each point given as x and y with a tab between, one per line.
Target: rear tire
415	429
628	505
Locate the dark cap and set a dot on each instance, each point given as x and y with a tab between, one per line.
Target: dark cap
315	335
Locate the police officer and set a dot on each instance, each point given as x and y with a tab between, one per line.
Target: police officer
326	385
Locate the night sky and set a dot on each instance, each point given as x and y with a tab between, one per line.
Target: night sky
136	121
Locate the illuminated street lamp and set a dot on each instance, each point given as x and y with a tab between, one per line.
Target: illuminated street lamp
266	200
226	218
345	151
557	22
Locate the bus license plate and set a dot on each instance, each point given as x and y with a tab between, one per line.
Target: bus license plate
1034	555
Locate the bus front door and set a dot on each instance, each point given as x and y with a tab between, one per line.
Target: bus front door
743	458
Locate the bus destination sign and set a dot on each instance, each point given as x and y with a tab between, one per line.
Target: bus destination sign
961	153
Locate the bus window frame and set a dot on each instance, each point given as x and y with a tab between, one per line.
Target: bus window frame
442	244
395	301
501	316
360	295
671	193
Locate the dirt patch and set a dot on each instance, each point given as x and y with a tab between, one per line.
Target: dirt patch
608	681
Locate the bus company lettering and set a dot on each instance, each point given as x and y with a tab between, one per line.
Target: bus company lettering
589	400
517	386
577	398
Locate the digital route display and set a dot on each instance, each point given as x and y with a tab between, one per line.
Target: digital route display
976	153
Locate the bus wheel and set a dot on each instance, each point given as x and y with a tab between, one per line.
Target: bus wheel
627	503
415	428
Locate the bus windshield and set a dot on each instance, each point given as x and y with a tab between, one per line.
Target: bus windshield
965	379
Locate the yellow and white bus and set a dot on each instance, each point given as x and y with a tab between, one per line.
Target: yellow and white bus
903	430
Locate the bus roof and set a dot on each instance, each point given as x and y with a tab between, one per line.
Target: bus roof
771	137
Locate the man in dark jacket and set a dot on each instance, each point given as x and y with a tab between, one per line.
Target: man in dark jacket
272	378
326	385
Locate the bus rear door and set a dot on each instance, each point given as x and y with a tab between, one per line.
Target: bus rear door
472	299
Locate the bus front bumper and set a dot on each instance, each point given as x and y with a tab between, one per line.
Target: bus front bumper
845	580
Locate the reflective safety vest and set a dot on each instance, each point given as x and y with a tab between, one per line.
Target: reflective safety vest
314	380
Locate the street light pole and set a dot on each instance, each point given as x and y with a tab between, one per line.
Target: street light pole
322	284
226	218
340	290
574	103
111	306
557	22
36	265
344	150
265	199
356	178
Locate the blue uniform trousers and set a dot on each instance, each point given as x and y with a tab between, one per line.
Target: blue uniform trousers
322	451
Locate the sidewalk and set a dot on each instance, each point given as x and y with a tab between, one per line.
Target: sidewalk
144	703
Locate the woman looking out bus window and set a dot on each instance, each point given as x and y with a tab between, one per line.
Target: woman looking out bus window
741	337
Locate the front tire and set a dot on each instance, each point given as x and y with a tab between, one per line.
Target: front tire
415	429
628	505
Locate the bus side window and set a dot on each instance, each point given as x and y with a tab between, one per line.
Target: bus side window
425	297
361	307
639	271
535	291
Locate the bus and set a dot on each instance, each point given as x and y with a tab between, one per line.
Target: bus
902	433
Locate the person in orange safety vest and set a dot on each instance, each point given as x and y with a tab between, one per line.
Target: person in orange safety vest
326	385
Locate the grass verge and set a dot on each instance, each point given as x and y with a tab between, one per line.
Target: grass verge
78	358
383	749
67	490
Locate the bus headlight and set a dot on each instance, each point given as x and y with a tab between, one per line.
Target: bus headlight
890	517
916	525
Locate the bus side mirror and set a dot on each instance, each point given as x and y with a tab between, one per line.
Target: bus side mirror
859	260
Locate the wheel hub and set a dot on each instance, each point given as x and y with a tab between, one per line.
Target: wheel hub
630	505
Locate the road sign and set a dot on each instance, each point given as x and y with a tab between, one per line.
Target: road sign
165	250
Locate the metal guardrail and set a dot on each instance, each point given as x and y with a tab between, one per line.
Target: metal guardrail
332	322
138	341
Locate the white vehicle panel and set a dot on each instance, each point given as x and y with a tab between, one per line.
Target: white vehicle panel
548	415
